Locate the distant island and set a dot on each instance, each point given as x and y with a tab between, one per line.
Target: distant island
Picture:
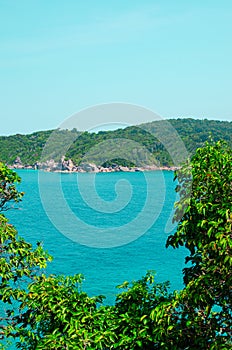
85	152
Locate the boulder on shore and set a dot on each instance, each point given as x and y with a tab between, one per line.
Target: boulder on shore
18	163
88	167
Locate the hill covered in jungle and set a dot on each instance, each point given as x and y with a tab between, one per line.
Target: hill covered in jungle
193	132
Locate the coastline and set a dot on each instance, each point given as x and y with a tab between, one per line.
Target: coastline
96	169
67	166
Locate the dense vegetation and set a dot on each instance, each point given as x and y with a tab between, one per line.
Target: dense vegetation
54	313
193	133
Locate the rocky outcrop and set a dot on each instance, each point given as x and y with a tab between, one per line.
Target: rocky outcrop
88	167
18	164
68	166
49	165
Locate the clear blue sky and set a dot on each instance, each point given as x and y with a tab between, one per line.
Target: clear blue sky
58	57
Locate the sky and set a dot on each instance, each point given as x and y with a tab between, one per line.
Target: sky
60	57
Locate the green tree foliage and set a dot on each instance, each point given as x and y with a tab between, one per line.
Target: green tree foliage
27	147
18	260
135	328
205	214
58	315
8	191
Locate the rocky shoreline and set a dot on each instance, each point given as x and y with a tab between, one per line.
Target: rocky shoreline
67	166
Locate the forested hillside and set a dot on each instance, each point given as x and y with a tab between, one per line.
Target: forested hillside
193	132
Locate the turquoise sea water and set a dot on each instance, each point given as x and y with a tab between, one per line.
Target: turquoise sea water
105	201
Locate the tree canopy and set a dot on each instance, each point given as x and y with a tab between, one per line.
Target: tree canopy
204	213
19	261
8	192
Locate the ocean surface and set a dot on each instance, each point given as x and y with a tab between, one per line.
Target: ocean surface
111	227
